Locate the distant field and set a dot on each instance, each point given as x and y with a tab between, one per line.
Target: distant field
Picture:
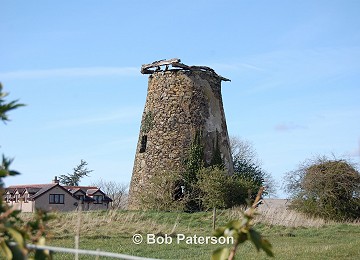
112	231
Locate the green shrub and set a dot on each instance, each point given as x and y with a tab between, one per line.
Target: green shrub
220	190
325	188
162	193
213	184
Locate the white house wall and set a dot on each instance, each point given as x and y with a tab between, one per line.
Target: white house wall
23	206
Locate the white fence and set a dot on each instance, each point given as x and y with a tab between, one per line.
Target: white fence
87	252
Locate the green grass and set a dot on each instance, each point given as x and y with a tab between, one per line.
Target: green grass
112	231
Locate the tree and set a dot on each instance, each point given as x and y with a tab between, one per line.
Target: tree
118	192
15	233
327	188
250	172
247	166
242	149
73	179
6	107
270	185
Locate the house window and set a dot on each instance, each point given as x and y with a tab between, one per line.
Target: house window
16	197
98	199
143	143
56	198
8	198
26	198
81	198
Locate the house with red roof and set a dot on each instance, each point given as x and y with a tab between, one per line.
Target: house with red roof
56	197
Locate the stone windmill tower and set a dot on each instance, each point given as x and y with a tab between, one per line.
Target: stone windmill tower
181	101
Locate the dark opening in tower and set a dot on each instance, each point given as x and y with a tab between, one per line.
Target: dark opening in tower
143	144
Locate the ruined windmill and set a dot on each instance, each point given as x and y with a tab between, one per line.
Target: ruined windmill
181	101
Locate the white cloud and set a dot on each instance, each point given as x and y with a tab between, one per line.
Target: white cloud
354	152
124	115
315	28
294	68
234	66
71	72
287	127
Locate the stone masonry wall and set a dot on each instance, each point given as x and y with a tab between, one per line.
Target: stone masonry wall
178	104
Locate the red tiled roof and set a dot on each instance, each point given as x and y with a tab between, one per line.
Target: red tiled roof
34	189
37	189
29	186
80	187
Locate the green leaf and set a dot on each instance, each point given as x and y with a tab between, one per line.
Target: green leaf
219	232
220	254
234	224
231	233
3	173
15	213
41	241
245	220
260	242
42	254
267	247
16	235
242	237
17	252
13	173
255	237
5	251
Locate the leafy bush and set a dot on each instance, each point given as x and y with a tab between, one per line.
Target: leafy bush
249	172
220	190
163	193
239	191
203	186
325	188
213	184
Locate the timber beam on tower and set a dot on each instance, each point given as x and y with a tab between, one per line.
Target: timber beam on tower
176	65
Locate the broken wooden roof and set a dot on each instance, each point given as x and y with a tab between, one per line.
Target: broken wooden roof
176	65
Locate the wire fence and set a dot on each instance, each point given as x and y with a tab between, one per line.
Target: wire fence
87	252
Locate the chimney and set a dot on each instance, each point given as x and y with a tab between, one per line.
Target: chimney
55	180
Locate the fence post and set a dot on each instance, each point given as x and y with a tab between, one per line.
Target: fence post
78	227
214	218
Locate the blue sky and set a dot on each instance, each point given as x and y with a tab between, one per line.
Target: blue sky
294	69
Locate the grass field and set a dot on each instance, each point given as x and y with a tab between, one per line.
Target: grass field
112	231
